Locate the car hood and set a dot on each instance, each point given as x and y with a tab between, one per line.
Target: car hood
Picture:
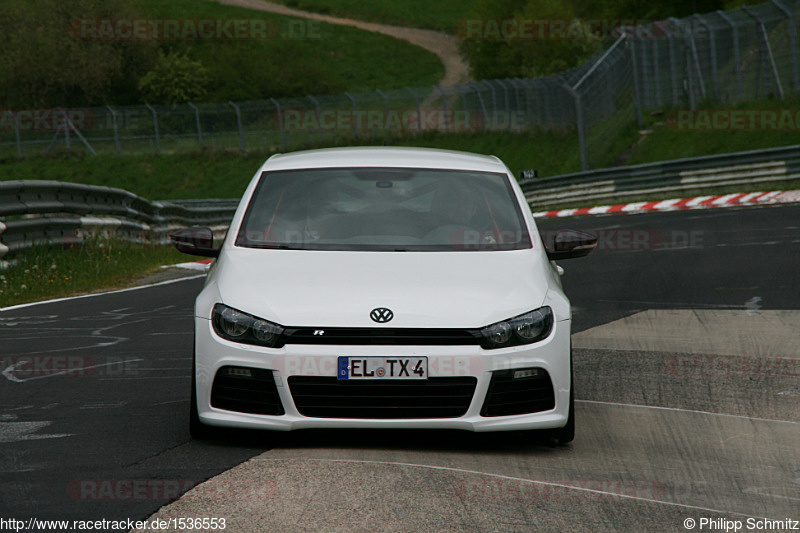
423	289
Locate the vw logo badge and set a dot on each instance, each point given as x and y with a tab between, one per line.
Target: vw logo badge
381	315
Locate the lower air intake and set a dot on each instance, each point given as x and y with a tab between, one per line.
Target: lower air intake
328	397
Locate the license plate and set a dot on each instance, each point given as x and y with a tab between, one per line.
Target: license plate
383	368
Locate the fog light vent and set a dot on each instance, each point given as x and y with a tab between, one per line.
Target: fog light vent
518	392
246	390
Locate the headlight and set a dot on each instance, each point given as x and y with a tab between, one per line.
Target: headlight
523	329
236	326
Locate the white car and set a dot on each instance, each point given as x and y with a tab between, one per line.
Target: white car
383	288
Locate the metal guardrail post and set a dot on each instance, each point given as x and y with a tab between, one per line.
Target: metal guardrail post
116	130
239	125
579	125
736	58
355	111
197	120
155	127
280	121
792	43
767	48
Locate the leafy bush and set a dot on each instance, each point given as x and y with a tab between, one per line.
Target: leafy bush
175	79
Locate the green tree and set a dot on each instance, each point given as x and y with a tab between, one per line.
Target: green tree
45	61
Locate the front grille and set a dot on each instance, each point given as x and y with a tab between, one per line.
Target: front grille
383	336
509	396
256	394
329	397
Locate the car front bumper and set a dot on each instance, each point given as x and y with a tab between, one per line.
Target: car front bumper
551	354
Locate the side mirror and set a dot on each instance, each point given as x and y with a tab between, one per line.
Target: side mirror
566	244
195	241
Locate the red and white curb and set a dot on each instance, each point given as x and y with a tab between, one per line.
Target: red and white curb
680	204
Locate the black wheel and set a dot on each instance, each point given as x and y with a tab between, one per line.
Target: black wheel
197	429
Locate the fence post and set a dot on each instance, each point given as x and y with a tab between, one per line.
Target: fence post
506	101
280	122
673	70
319	115
528	118
69	125
644	82
494	102
355	119
197	119
637	88
657	75
579	125
713	45
693	52
155	127
793	44
483	107
239	125
736	59
444	107
767	49
416	103
116	131
20	153
467	117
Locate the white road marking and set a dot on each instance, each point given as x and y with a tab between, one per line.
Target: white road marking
117	291
678	410
531	481
103	405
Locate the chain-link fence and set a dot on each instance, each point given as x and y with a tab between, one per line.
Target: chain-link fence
742	54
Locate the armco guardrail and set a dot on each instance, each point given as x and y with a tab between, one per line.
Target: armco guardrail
53	212
679	176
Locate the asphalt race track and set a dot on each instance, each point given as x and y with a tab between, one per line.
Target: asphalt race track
687	367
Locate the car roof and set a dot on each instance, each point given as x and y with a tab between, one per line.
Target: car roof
376	156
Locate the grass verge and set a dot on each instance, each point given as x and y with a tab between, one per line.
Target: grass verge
297	57
53	272
440	16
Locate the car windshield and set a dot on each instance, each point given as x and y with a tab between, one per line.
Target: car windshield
384	209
